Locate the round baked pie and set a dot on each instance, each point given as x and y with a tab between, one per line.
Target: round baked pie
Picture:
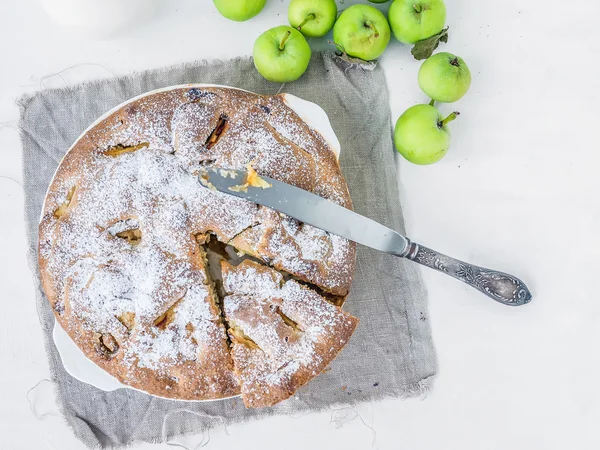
181	291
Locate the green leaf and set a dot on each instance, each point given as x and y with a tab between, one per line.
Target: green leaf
424	49
352	60
341	53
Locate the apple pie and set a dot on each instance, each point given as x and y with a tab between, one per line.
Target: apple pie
187	293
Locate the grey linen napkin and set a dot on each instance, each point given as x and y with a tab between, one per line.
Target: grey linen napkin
391	353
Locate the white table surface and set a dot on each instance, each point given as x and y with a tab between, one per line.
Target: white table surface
518	191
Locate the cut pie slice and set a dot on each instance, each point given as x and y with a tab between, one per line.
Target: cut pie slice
283	333
308	253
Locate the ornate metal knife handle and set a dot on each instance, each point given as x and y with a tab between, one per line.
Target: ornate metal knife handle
500	286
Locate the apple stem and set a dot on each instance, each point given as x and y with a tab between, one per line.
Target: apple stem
448	119
370	25
285	38
431	102
417	8
310	17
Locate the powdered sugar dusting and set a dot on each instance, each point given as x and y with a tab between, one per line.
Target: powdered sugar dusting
179	340
296	332
118	250
309	253
246	279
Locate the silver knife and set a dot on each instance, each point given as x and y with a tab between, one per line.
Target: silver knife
333	218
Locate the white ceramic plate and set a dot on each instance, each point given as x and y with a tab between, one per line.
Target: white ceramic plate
100	18
73	359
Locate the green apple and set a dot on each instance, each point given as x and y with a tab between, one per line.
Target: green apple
415	20
362	32
281	54
239	10
313	18
444	77
421	134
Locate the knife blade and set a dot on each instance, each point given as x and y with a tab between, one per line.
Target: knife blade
311	209
333	218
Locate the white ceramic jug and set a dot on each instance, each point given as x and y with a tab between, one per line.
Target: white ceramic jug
100	17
